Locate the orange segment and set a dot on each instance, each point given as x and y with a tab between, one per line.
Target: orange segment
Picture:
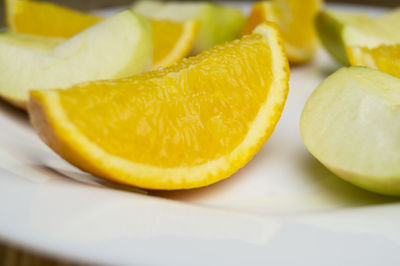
172	40
257	16
296	21
386	58
46	19
185	126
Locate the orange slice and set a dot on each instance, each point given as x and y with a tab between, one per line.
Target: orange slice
186	126
172	40
386	58
46	19
296	21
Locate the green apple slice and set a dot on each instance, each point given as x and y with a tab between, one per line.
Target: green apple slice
219	24
337	30
351	124
30	41
116	47
330	26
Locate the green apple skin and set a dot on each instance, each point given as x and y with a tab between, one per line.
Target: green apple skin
230	22
219	24
351	124
117	47
336	30
331	28
329	31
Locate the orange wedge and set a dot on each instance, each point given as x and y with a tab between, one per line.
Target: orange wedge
185	126
172	40
386	58
296	21
45	19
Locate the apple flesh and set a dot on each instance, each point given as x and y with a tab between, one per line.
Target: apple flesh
30	41
351	124
219	24
116	47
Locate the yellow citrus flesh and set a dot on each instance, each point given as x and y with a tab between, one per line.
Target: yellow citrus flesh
172	40
185	126
46	19
296	21
257	16
386	58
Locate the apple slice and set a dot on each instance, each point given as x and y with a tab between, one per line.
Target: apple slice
338	30
116	47
219	23
30	41
351	124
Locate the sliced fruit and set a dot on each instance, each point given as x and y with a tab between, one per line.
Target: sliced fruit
46	19
30	41
185	126
172	41
351	124
119	46
295	19
219	24
386	58
330	26
338	30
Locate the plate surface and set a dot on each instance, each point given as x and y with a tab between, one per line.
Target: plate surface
282	208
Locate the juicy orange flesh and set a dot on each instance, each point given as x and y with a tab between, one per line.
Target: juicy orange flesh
256	17
299	32
44	19
387	58
187	118
165	43
290	16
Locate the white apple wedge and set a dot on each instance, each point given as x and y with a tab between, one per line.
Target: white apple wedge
116	47
351	124
30	41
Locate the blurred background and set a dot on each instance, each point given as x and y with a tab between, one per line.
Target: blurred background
91	4
86	5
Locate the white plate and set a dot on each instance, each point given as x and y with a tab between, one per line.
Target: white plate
283	207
